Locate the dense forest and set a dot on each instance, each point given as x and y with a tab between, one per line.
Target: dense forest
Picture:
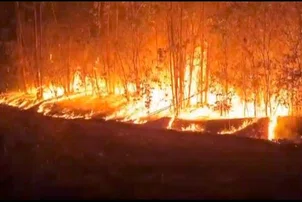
185	50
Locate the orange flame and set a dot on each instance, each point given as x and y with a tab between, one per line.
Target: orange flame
156	103
271	128
233	130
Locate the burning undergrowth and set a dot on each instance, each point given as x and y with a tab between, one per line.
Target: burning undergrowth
86	107
187	107
81	106
187	67
242	127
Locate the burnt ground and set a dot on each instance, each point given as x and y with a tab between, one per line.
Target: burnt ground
47	158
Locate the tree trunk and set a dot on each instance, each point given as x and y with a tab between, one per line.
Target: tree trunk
181	65
41	44
226	66
202	14
69	65
175	69
37	64
191	68
124	75
20	45
108	50
255	104
169	33
207	76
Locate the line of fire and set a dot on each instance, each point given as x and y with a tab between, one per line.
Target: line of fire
187	66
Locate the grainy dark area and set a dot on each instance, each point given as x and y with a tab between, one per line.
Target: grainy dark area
47	158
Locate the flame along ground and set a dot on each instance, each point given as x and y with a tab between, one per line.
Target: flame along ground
135	110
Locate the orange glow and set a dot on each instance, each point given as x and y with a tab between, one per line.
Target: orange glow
272	127
158	102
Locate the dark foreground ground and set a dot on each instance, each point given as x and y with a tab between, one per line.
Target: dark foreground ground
44	158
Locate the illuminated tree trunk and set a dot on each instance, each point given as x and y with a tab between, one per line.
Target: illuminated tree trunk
156	45
225	74
207	76
69	65
192	55
108	51
116	44
181	55
101	26
99	36
266	64
171	65
254	85
202	18
175	63
135	48
41	44
20	46
37	58
245	109
124	79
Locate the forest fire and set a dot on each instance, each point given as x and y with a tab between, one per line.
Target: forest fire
147	99
135	110
177	65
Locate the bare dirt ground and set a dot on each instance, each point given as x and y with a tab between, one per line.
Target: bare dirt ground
47	158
